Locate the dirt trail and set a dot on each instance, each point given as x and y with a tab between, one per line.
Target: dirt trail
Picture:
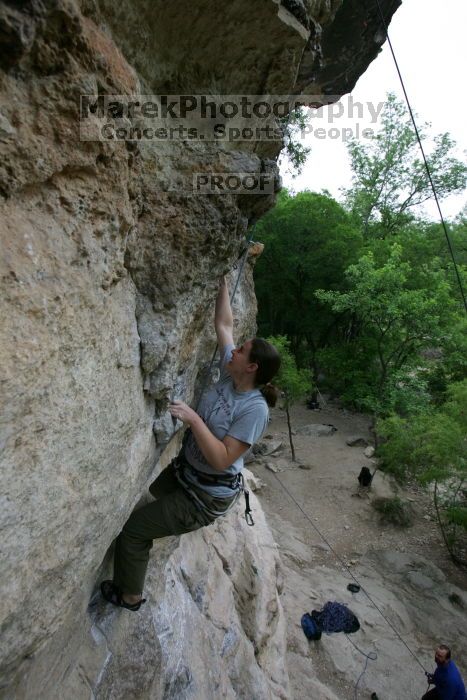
407	572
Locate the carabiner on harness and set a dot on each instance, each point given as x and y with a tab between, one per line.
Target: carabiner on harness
248	511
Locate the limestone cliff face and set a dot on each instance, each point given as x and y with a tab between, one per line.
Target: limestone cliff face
108	279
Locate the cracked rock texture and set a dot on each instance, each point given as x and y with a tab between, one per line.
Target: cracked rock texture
212	627
108	279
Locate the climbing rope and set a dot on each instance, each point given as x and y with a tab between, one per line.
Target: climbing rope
344	566
372	656
243	258
427	167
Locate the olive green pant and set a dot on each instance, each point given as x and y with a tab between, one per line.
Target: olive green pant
173	513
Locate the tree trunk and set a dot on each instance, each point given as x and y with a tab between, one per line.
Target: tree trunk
290	433
454	558
373	429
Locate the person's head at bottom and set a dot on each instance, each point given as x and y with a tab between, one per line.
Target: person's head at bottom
442	655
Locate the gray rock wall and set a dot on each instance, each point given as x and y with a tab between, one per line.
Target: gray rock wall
108	282
213	626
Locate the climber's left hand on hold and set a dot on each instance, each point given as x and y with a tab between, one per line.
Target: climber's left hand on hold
180	410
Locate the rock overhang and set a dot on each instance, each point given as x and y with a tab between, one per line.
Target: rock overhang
107	278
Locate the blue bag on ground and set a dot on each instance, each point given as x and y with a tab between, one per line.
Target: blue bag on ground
309	626
336	617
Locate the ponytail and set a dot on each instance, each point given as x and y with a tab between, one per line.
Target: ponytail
268	360
270	393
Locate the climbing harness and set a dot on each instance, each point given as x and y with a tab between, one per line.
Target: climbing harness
235	482
180	465
228	480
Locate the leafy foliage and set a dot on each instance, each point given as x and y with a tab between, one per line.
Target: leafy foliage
365	296
391	323
295	151
294	383
432	447
393	511
389	175
309	241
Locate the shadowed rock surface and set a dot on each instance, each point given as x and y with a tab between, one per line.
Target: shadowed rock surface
108	279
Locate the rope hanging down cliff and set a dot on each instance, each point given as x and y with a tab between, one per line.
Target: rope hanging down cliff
241	266
427	167
370	656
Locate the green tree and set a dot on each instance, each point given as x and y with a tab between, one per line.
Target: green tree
432	447
293	382
423	245
389	175
295	152
423	242
309	241
389	324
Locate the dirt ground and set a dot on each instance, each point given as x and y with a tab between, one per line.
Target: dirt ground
324	483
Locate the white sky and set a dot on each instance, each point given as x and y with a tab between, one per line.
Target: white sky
429	40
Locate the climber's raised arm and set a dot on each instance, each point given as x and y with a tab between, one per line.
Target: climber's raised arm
223	320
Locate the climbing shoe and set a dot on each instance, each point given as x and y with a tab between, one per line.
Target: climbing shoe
112	594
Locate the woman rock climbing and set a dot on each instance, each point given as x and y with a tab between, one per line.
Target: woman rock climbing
204	481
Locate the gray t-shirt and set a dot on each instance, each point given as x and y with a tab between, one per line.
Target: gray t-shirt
241	414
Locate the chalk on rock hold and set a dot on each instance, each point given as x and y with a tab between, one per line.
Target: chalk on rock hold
369	451
164	427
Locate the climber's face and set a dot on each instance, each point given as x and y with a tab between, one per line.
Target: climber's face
240	362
